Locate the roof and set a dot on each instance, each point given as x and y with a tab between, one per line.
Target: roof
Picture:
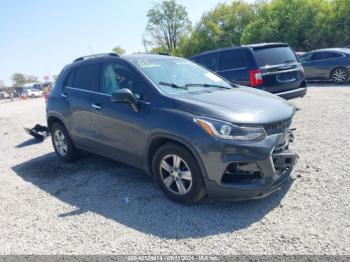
147	56
253	46
110	56
335	49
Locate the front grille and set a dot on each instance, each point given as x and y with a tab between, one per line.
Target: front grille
277	127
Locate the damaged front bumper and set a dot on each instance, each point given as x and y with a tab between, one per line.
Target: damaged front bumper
249	170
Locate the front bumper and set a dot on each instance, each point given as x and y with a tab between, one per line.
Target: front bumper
248	170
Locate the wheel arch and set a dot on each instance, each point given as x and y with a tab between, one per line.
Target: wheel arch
158	140
337	67
52	119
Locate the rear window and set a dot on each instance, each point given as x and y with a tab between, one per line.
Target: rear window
274	56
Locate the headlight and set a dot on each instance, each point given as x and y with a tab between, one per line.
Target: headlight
226	130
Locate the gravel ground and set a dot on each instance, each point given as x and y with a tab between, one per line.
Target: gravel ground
98	206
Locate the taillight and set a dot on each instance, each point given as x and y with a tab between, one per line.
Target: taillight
255	77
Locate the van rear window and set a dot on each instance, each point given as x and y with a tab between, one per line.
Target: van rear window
274	56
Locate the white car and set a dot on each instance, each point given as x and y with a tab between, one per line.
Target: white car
34	93
4	95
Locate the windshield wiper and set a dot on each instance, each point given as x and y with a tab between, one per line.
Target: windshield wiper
208	85
289	61
172	85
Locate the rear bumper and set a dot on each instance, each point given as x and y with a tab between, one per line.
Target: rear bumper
299	92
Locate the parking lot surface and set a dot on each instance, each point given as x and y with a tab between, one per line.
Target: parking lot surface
99	206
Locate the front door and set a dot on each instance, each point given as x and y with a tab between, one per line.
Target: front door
119	130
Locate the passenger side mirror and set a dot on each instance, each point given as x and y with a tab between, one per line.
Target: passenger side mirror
124	95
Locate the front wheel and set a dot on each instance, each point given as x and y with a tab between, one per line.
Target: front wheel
178	174
339	75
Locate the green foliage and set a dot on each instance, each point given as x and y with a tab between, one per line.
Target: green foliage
31	79
220	27
19	79
340	22
118	50
303	24
167	23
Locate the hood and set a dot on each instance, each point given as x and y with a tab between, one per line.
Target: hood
243	105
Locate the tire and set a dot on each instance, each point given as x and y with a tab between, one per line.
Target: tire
62	143
32	96
340	75
182	181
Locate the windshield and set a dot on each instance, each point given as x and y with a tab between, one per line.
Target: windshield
274	56
177	75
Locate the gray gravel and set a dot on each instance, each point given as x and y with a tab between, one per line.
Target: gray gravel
98	206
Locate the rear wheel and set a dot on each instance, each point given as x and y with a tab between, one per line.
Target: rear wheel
339	75
178	174
62	143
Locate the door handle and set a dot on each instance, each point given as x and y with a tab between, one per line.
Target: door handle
64	95
96	106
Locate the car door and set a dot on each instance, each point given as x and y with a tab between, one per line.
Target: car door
119	130
233	66
77	91
314	65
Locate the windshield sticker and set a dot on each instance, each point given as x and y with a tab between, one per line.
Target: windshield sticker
213	77
147	63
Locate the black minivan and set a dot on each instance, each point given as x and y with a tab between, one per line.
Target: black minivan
272	67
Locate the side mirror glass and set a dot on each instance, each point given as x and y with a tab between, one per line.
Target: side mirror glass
124	95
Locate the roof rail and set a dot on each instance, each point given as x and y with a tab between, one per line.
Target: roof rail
164	53
94	56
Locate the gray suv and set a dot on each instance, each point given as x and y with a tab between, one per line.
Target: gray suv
190	129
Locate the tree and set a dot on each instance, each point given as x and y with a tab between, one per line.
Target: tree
304	24
220	27
167	23
118	50
31	79
18	79
1	84
340	22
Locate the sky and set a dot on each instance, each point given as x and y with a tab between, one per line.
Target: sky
39	37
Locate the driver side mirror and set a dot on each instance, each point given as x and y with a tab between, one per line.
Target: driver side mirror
124	95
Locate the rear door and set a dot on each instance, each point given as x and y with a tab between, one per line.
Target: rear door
77	92
209	61
280	68
233	66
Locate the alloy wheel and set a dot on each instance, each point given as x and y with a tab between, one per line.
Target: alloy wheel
339	75
60	142
175	174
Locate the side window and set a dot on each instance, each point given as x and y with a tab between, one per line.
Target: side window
85	76
306	58
140	87
115	76
232	59
209	61
322	56
69	79
333	55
